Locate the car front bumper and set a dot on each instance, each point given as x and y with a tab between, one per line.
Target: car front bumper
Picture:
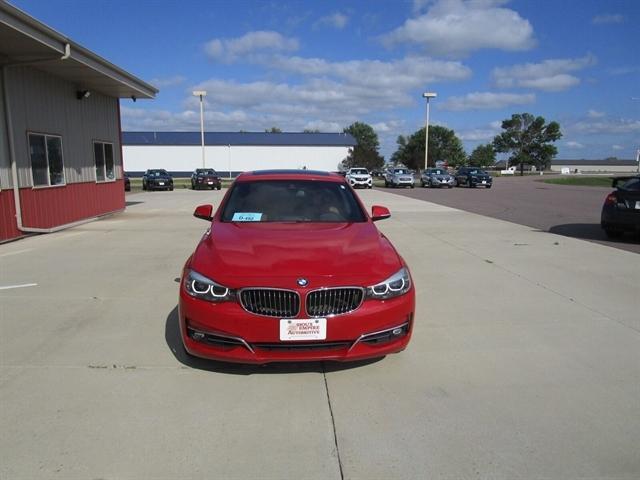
226	332
360	183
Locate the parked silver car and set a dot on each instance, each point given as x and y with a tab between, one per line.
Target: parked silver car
437	177
399	177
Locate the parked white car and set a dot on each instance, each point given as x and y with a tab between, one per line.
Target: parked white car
359	177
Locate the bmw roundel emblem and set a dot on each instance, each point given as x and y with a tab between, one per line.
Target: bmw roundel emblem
303	282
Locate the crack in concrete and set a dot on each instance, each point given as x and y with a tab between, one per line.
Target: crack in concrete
333	421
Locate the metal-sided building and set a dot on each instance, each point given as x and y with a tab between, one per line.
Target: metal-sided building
60	146
181	152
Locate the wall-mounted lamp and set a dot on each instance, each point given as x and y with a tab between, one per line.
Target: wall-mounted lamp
80	94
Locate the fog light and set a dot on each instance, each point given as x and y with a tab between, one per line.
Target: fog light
397	331
196	335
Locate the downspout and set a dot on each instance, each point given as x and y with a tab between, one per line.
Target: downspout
12	159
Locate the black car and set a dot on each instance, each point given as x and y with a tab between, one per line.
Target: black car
205	178
127	182
472	177
157	179
621	209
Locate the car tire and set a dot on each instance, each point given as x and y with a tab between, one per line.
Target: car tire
422	184
386	184
611	233
171	188
412	185
488	186
370	187
219	187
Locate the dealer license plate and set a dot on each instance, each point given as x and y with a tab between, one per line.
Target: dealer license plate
210	183
638	205
160	183
484	181
305	329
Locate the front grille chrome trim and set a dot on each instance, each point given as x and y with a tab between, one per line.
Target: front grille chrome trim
279	302
325	302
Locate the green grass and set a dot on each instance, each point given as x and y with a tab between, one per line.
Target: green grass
582	181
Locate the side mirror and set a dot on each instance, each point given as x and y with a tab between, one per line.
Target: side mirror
379	213
205	212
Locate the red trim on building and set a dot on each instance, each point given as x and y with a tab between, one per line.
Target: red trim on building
55	206
8	226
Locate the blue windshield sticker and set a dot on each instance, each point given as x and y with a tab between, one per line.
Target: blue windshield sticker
246	217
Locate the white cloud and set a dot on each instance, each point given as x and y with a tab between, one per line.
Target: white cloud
251	42
549	75
458	27
595	114
617	147
165	82
406	73
323	126
607	18
572	144
612	126
482	134
486	101
337	20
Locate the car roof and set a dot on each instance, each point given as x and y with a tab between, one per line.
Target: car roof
290	174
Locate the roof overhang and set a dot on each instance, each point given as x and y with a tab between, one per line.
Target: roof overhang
26	41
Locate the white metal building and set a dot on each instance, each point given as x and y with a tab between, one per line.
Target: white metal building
181	152
595	166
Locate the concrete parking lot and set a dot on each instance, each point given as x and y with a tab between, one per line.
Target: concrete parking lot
568	210
525	361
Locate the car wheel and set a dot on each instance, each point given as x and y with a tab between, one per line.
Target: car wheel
386	184
488	186
219	187
412	185
171	188
370	187
610	233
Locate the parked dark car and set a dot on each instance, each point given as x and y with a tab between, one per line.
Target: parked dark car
205	178
157	179
621	209
437	177
472	177
127	182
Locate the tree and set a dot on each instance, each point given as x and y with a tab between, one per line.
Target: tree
528	140
365	153
443	145
398	155
483	156
310	130
273	130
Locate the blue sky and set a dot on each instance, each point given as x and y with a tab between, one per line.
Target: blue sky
325	64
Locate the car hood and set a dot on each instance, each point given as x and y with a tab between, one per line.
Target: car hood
277	254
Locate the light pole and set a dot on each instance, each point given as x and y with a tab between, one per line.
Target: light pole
201	94
428	96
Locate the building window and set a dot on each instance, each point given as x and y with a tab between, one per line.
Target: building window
103	154
47	166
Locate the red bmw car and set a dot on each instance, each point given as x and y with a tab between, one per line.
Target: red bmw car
293	268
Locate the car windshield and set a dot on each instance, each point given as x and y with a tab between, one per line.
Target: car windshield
475	171
206	172
359	171
400	171
292	201
633	184
437	171
157	173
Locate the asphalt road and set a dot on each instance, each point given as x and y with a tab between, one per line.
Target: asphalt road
571	211
524	363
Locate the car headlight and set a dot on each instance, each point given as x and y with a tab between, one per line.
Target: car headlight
199	286
397	284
